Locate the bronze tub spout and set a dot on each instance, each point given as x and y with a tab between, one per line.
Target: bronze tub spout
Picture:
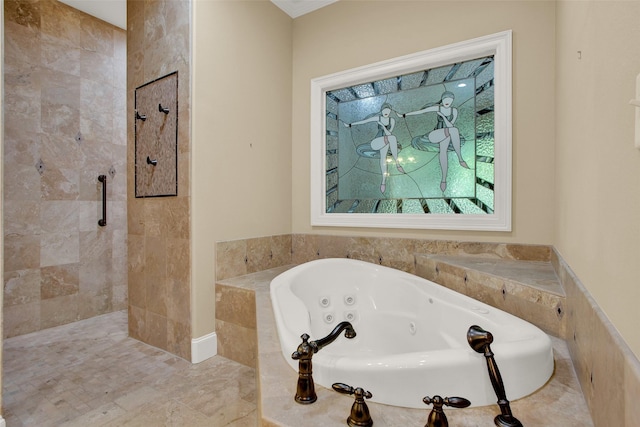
305	391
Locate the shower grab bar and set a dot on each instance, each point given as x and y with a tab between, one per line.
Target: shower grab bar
103	179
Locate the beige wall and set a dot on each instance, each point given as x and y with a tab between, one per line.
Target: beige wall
569	190
598	168
241	176
350	34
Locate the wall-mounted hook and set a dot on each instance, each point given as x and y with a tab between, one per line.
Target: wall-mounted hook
163	109
152	162
140	116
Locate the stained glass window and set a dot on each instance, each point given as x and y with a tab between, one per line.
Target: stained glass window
416	143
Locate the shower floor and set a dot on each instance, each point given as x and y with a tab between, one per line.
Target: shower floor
89	373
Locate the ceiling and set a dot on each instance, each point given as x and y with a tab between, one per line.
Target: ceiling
111	11
115	11
295	8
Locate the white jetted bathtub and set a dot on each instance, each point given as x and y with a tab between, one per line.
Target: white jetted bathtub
411	335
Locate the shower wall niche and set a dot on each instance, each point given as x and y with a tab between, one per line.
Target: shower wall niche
156	137
65	124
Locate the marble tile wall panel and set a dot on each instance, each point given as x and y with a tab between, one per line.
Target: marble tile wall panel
231	259
178	336
21	319
136	321
61	68
543	309
59	311
239	257
59	280
21	252
237	319
237	343
156	333
22	287
631	389
158	236
605	366
236	324
237	306
398	252
25	13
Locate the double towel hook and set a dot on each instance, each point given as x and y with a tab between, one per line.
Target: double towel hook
143	117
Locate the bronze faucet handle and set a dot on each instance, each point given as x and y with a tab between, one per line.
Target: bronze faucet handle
359	415
347	389
457	402
454	402
437	418
305	350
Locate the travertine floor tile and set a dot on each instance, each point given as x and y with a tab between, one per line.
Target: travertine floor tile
89	373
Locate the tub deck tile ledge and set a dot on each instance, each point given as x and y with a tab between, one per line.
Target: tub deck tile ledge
528	289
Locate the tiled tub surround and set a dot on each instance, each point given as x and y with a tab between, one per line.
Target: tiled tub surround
65	124
236	323
606	368
240	257
234	327
527	289
549	295
559	402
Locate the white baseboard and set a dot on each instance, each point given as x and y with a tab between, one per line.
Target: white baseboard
2	422
202	348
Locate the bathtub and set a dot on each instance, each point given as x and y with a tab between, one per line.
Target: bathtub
411	335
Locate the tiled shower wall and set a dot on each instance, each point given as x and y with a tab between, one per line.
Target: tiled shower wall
159	237
65	124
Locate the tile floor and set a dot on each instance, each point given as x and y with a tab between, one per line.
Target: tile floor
89	373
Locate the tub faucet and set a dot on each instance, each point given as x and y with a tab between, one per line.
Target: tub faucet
359	415
479	340
305	391
437	418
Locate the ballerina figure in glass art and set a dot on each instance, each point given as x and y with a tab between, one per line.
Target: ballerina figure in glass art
383	141
444	133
